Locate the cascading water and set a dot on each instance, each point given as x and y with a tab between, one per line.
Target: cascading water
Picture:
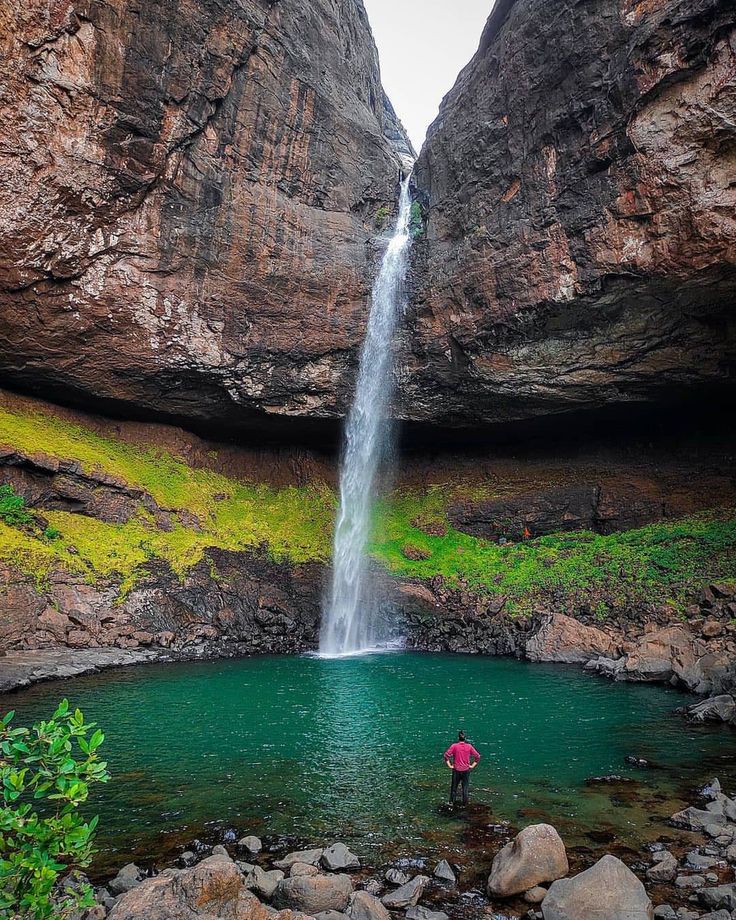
348	624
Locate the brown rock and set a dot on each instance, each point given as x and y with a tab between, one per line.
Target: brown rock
561	638
711	629
537	854
314	894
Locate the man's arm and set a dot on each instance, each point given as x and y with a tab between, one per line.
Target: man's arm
474	753
449	755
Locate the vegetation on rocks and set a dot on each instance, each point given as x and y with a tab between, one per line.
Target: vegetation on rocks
663	562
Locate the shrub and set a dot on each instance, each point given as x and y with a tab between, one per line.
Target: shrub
51	533
13	507
381	217
55	762
416	220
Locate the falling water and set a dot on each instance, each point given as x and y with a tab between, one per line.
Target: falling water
348	625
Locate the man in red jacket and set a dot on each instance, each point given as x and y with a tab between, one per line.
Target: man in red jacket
461	758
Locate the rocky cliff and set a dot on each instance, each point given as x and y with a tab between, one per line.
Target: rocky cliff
188	198
580	245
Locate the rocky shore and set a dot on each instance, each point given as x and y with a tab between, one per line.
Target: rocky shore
686	875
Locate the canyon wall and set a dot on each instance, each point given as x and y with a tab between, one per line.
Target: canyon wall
188	196
580	246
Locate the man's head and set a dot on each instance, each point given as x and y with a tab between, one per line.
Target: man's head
461	736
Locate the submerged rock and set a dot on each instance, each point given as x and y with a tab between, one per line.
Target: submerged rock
537	854
609	890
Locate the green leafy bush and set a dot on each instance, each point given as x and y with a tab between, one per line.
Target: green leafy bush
381	217
51	533
13	507
54	763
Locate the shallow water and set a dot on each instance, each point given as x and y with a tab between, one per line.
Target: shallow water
352	748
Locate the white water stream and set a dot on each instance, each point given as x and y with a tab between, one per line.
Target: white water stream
348	623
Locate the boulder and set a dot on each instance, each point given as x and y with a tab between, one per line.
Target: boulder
696	819
311	857
664	869
407	895
212	889
396	877
711	789
537	854
252	845
665	912
717	915
262	882
609	890
443	871
689	882
314	894
535	895
563	639
365	907
128	877
338	856
715	709
722	897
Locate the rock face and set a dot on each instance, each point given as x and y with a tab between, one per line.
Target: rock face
537	854
563	639
609	890
580	246
188	199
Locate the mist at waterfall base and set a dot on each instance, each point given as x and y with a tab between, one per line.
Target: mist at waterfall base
349	623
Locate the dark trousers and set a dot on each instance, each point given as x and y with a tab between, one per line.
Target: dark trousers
460	778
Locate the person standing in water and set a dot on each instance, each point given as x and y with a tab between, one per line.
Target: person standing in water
461	757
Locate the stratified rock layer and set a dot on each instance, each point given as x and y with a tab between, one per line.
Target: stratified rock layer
580	247
187	199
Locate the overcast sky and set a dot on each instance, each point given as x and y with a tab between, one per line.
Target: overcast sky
423	45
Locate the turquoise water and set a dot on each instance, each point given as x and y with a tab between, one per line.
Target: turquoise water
352	748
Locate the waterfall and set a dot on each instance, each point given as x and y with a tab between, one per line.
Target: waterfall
348	623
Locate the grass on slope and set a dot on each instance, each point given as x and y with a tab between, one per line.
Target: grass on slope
661	562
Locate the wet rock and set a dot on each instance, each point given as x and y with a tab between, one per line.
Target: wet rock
366	907
697	819
609	890
126	879
311	857
664	869
443	870
641	762
396	876
314	894
537	854
251	845
407	895
720	708
338	856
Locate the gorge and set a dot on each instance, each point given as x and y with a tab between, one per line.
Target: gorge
195	201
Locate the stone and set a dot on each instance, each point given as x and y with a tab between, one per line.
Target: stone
187	859
338	856
696	819
711	789
219	850
251	844
311	857
720	708
443	870
721	897
563	639
698	861
717	915
609	890
314	894
213	888
711	629
407	895
664	870
537	854
262	882
691	882
126	879
298	869
535	895
330	915
424	913
366	907
664	912
373	886
397	876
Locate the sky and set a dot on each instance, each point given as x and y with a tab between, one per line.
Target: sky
423	45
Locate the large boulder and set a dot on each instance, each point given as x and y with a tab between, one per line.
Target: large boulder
720	708
537	854
310	857
722	897
609	890
262	882
312	894
214	889
127	878
565	640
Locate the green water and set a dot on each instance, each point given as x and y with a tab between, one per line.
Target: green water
352	748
